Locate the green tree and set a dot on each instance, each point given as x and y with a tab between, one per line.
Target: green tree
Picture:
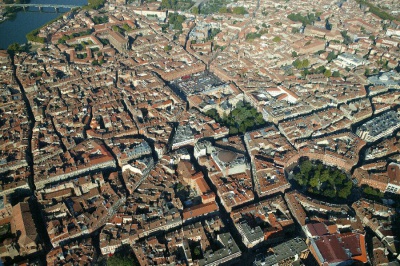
100	20
119	261
314	182
377	11
79	47
239	10
346	190
277	39
297	63
305	20
95	4
306	167
306	63
197	251
223	10
372	38
179	186
323	181
117	29
176	20
295	30
327	73
165	4
213	33
331	56
370	192
241	119
15	48
167	48
320	70
39	73
213	114
325	176
346	37
195	10
300	64
340	178
33	36
330	193
123	256
252	36
300	179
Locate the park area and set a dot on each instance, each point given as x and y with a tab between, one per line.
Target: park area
316	178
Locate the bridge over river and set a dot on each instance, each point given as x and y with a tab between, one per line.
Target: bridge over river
40	6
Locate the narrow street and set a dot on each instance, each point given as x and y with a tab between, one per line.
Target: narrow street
33	203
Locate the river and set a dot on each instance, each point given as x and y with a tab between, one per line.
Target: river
25	21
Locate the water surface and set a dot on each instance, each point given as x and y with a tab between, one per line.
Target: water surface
25	21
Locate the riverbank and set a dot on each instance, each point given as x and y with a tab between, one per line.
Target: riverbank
9	13
33	37
24	26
